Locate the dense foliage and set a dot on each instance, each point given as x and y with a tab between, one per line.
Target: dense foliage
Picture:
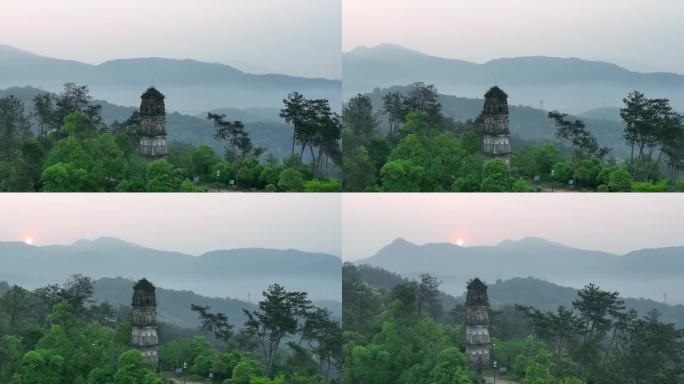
73	150
422	150
57	335
402	335
285	340
598	340
398	336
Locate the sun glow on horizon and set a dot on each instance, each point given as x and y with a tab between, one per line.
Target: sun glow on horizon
28	240
460	241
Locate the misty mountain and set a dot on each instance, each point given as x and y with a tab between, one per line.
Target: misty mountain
264	126
527	124
547	296
190	86
173	306
567	84
644	273
543	295
237	273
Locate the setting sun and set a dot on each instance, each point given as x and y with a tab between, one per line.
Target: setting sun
460	241
28	240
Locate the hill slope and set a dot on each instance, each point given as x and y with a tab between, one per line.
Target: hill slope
237	273
543	295
173	306
566	84
190	86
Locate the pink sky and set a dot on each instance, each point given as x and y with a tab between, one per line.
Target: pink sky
616	223
354	225
192	223
638	34
300	37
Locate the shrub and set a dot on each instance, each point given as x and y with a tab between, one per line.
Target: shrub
189	186
402	176
661	186
520	185
620	180
679	187
290	180
468	183
331	185
495	176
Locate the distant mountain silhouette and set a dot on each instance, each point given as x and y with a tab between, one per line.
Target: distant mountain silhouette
567	84
644	273
190	86
235	273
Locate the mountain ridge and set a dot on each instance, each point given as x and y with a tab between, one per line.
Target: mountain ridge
191	86
213	273
567	84
650	272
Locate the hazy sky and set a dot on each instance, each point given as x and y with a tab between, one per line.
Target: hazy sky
638	34
299	37
192	223
616	223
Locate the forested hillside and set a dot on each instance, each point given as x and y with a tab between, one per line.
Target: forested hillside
267	132
527	124
174	305
404	334
406	139
530	291
61	333
62	143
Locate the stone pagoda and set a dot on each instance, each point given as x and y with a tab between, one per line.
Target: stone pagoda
496	136
477	324
152	129
144	332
